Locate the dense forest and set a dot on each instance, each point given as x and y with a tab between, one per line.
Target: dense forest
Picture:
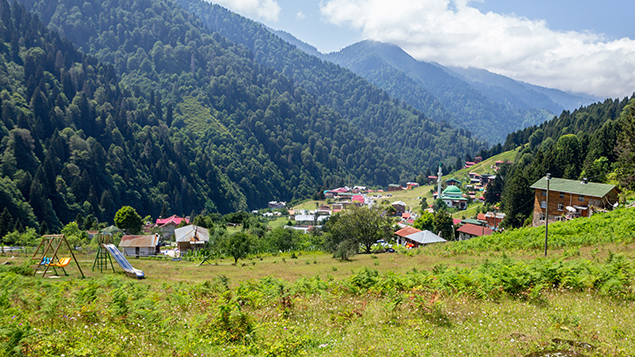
438	92
399	127
580	144
167	116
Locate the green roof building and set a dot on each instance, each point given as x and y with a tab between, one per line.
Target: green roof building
570	199
453	197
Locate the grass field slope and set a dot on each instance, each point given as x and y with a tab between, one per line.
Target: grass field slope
492	296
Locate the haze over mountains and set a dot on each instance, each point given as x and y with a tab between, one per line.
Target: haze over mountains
488	104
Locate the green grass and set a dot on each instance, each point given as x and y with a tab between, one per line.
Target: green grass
198	117
326	308
490	296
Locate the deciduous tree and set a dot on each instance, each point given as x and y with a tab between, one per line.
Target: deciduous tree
237	246
127	218
357	226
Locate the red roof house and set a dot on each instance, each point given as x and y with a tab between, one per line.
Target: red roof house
168	225
174	219
469	231
407	231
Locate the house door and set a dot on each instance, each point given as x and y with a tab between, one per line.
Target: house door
136	251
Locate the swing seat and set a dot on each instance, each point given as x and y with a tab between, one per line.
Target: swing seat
45	261
61	263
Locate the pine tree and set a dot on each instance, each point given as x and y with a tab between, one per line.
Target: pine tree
517	200
6	222
626	147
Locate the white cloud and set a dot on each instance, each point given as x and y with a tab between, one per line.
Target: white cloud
453	33
300	16
264	9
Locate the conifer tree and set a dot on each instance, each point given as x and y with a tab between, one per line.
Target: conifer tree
626	147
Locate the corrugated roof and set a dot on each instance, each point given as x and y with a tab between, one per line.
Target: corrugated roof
191	233
475	222
592	189
475	230
174	219
425	237
404	232
143	241
309	217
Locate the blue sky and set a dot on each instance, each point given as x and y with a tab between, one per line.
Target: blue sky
577	46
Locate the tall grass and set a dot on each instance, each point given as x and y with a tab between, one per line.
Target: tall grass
615	226
443	311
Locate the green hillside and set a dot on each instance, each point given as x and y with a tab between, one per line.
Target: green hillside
414	141
431	89
180	121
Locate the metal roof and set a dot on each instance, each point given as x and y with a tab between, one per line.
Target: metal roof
475	230
592	189
476	222
191	233
406	231
142	241
425	237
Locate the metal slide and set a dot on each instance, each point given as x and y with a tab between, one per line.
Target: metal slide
123	262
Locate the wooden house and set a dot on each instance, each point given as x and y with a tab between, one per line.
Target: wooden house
570	199
400	207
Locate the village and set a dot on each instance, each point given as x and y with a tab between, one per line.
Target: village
462	194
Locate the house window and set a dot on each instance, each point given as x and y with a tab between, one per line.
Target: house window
581	198
544	192
543	204
561	194
560	206
542	217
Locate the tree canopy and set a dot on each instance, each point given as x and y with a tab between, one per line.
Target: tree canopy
354	228
127	218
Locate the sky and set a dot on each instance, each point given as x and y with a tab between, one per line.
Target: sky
578	46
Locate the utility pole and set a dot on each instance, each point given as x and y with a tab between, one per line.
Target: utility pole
439	174
548	178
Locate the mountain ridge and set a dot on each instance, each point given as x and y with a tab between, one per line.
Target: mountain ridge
528	104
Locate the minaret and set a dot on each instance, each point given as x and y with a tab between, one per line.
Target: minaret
439	174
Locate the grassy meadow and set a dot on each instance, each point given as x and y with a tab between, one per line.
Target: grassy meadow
496	296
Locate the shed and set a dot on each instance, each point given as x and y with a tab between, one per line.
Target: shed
140	245
191	237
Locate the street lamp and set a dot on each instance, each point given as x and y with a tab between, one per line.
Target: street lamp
548	178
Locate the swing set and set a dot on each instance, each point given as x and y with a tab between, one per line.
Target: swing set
50	258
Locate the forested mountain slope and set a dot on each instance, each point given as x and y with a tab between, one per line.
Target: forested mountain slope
404	129
519	94
74	141
505	90
576	145
192	124
386	65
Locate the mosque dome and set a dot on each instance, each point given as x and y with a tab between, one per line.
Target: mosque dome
452	191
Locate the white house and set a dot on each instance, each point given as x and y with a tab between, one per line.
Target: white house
140	246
